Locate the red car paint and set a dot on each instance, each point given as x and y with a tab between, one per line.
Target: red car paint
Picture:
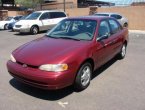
47	50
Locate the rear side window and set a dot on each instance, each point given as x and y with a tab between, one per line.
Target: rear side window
114	26
116	16
57	15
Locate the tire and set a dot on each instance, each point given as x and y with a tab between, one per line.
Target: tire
83	77
6	27
34	30
125	25
122	53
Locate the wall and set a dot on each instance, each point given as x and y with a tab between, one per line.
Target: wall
135	14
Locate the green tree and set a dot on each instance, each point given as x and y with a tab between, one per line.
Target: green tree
29	3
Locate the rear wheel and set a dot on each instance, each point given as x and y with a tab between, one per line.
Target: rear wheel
34	30
122	52
6	27
83	77
125	25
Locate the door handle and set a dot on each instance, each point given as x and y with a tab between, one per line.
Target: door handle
110	43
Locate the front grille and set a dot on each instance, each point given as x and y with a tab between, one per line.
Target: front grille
30	66
18	26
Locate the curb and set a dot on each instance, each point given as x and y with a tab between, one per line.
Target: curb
137	31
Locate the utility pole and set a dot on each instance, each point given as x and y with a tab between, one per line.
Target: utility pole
64	5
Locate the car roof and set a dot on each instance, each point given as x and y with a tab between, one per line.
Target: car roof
42	11
97	18
109	13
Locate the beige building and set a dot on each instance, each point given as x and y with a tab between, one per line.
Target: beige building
59	4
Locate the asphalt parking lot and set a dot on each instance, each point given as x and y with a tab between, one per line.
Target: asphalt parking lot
118	85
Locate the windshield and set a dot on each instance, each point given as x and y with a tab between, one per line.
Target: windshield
33	16
8	18
24	17
102	14
74	29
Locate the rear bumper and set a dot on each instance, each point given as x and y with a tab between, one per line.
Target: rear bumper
40	79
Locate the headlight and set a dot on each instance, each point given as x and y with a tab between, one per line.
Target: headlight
54	67
12	58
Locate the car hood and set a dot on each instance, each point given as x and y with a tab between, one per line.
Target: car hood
47	50
26	22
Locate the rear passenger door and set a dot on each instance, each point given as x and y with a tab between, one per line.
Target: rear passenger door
116	36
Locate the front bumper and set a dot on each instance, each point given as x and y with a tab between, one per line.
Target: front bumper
21	30
41	79
1	27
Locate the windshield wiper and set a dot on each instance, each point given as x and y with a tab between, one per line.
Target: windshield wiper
52	37
69	38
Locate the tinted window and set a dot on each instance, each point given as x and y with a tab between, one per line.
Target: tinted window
33	16
74	29
44	16
102	14
114	26
103	29
57	15
17	17
8	18
116	16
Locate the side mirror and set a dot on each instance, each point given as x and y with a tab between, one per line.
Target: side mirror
103	37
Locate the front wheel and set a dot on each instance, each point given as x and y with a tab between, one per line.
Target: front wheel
122	52
34	30
83	77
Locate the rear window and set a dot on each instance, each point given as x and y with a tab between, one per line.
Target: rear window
57	15
102	14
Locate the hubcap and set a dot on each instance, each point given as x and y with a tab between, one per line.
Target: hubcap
123	50
85	77
35	30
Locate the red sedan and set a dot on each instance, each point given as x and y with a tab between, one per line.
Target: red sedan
69	53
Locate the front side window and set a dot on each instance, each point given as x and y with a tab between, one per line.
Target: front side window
104	29
33	16
44	16
74	29
114	26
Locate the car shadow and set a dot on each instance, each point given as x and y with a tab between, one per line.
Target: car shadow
104	67
28	34
51	95
55	94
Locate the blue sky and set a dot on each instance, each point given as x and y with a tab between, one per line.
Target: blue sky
123	1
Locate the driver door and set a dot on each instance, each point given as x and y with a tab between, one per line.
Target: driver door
103	50
45	21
